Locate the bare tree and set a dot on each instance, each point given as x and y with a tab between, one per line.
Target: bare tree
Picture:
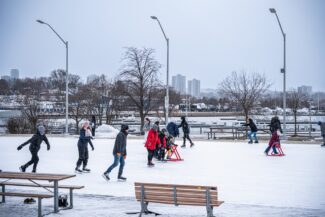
139	73
245	89
295	100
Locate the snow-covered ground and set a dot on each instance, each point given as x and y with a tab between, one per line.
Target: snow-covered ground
250	183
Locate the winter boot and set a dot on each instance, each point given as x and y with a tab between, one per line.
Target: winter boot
22	169
250	142
33	171
150	164
106	176
78	170
256	141
192	144
121	178
183	146
323	145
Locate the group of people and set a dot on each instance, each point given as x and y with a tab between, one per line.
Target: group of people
157	142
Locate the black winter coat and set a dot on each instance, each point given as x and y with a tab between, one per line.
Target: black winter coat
185	127
275	125
251	125
120	143
35	142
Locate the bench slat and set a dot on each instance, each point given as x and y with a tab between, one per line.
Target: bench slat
42	185
168	189
137	184
16	194
215	204
179	195
179	199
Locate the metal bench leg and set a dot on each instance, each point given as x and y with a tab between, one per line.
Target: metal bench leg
3	196
71	198
39	207
56	197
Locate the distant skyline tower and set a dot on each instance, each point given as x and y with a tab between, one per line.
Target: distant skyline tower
194	87
14	74
179	83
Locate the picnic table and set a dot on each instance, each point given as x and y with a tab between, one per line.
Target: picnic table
33	177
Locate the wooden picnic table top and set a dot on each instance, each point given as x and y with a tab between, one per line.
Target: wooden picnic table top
35	176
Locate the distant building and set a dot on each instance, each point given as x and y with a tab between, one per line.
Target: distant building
5	77
194	88
179	83
14	74
307	90
92	78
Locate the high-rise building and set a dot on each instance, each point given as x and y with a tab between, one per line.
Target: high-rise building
91	78
14	74
307	90
194	87
179	83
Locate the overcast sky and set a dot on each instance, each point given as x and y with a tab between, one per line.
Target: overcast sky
208	38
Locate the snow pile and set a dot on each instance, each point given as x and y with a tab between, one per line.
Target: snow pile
106	131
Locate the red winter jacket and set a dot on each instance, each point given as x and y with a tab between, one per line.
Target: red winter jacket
152	140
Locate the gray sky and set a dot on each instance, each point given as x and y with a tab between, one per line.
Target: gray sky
208	38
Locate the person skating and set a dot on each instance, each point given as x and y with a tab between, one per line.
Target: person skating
151	142
275	128
93	125
84	139
186	132
34	147
146	128
119	153
163	134
252	132
322	131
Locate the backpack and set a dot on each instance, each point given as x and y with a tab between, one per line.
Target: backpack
172	129
63	200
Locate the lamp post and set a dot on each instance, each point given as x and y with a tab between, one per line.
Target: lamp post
66	78
283	70
167	81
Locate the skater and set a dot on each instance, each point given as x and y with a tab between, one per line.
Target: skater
146	128
93	125
322	131
151	142
163	134
156	151
275	128
252	132
84	138
34	147
186	132
119	153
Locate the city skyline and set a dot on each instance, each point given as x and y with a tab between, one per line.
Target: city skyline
212	38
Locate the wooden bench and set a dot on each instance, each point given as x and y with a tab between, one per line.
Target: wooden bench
38	196
176	194
45	186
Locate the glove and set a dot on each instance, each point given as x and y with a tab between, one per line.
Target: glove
19	147
118	154
124	157
48	147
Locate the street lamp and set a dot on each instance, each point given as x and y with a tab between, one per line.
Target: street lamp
66	78
167	81
283	70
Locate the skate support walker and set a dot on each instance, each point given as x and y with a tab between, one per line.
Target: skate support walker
175	155
176	195
278	148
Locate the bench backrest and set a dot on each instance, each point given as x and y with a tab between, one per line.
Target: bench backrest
177	194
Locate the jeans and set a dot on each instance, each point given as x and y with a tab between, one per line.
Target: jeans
252	135
117	160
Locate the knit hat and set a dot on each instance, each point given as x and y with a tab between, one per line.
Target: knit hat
124	127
